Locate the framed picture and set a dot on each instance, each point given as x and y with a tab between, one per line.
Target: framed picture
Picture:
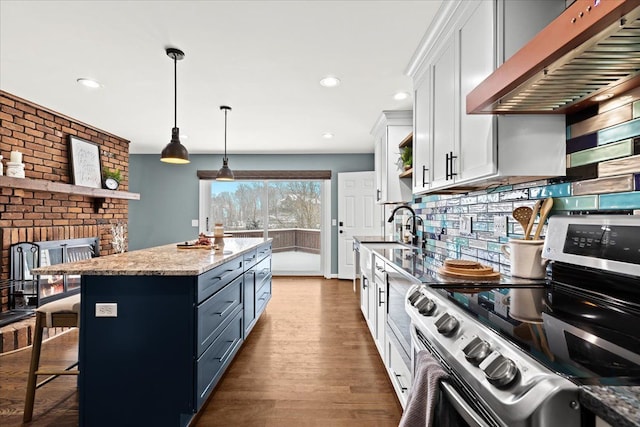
85	162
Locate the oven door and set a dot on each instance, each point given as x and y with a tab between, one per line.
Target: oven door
455	406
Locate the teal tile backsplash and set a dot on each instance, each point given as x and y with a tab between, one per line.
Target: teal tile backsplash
626	130
441	213
602	153
556	190
629	200
576	203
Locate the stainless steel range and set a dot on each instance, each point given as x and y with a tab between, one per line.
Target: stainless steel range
517	354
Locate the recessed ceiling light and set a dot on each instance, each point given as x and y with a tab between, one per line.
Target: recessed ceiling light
89	83
399	96
327	135
603	97
330	81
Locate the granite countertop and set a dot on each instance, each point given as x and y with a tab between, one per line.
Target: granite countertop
617	405
167	260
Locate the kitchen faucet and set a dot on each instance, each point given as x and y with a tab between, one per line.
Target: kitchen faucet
418	239
413	217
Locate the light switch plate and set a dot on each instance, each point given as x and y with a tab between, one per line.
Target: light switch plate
500	224
194	222
465	224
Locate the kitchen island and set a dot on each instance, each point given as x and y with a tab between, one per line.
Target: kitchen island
159	327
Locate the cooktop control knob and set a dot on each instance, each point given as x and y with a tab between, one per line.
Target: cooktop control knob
419	300
414	296
476	350
426	307
447	324
501	372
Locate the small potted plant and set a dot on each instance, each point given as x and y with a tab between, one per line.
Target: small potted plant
112	178
406	158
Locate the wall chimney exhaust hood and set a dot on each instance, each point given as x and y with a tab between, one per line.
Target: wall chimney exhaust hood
592	49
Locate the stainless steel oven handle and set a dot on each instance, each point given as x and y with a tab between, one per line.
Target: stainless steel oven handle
462	407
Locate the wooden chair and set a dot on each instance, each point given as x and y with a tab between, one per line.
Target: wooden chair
64	312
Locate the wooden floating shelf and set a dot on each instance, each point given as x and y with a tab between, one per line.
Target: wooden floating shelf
99	194
406	174
408	140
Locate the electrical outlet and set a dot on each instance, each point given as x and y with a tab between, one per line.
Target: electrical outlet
500	224
465	224
106	309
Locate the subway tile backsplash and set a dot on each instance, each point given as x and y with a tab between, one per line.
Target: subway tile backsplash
604	178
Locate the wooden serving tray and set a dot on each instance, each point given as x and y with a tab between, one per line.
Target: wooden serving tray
469	274
461	263
183	246
466	269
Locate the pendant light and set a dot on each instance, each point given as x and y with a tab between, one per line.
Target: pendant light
225	174
175	152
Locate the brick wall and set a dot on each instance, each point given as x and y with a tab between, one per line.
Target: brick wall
42	136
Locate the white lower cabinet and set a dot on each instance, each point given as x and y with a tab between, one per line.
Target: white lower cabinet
380	297
398	371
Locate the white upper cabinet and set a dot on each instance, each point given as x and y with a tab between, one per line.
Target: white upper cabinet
466	42
391	128
477	60
422	133
444	113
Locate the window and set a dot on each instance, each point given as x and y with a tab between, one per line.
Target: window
289	211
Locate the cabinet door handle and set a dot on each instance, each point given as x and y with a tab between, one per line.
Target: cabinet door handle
225	356
229	307
380	292
451	157
226	273
424	172
446	167
398	376
378	192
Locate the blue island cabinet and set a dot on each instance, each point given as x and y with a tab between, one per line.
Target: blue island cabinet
156	363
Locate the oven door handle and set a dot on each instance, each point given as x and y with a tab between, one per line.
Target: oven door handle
462	407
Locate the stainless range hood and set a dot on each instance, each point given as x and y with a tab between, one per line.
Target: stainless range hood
590	52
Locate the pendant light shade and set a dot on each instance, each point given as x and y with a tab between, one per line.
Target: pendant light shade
175	152
225	174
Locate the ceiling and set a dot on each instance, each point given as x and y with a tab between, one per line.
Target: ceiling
262	58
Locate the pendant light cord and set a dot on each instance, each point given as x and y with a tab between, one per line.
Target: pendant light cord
175	91
225	135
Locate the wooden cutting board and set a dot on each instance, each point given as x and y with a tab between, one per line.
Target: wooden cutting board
183	246
465	269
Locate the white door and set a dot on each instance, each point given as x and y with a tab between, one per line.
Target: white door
358	215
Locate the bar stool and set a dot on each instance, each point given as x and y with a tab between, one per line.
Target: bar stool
64	312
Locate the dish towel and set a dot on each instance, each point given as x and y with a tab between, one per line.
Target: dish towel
424	392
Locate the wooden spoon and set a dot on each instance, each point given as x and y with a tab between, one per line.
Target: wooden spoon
523	215
544	213
532	221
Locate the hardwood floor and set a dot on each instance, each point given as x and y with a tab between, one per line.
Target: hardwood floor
57	402
309	361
